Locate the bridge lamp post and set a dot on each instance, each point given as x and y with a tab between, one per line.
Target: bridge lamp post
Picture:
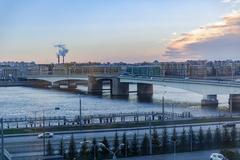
233	69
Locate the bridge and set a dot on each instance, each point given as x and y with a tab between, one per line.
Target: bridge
119	86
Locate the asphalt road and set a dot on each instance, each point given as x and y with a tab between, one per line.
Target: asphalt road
31	143
200	155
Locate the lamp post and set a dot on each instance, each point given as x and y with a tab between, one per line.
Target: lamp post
150	136
233	70
163	104
113	153
191	138
174	149
80	111
2	139
128	134
230	108
43	121
102	145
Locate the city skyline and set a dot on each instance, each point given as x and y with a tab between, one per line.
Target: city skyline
129	31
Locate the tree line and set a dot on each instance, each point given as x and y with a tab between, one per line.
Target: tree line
161	142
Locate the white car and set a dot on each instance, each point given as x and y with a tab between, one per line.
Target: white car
46	135
217	156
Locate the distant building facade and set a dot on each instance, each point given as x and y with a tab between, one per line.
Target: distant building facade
192	69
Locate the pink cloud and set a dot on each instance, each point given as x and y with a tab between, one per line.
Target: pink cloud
208	41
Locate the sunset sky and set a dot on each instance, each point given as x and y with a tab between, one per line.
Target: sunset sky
119	30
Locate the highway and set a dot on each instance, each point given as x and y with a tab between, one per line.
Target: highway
26	143
199	155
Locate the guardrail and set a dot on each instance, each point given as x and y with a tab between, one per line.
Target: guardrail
7	155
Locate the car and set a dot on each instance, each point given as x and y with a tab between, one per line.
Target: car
46	135
237	80
230	124
217	156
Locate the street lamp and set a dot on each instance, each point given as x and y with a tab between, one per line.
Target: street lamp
113	153
94	147
43	120
150	136
80	111
191	138
230	105
163	104
2	138
174	149
128	134
103	145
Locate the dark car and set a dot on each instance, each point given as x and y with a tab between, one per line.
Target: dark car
232	124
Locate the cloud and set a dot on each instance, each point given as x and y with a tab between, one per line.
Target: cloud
218	40
231	1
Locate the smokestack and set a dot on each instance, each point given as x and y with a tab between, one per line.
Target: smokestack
62	51
58	56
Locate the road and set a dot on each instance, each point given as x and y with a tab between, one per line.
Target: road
26	143
200	155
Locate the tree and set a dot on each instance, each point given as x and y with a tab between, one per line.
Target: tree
49	148
226	138
183	141
191	139
94	149
233	137
134	146
84	152
105	152
61	150
72	151
200	139
115	142
155	142
217	138
174	139
125	148
145	145
208	139
165	142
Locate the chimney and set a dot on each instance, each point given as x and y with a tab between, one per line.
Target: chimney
58	56
63	59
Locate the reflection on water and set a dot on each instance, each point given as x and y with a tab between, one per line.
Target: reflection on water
22	101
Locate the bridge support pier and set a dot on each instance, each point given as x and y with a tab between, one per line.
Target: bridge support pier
72	86
56	85
118	88
94	86
210	101
144	89
234	101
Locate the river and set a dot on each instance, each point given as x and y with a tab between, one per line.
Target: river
24	101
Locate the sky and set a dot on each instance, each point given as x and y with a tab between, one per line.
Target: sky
119	30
